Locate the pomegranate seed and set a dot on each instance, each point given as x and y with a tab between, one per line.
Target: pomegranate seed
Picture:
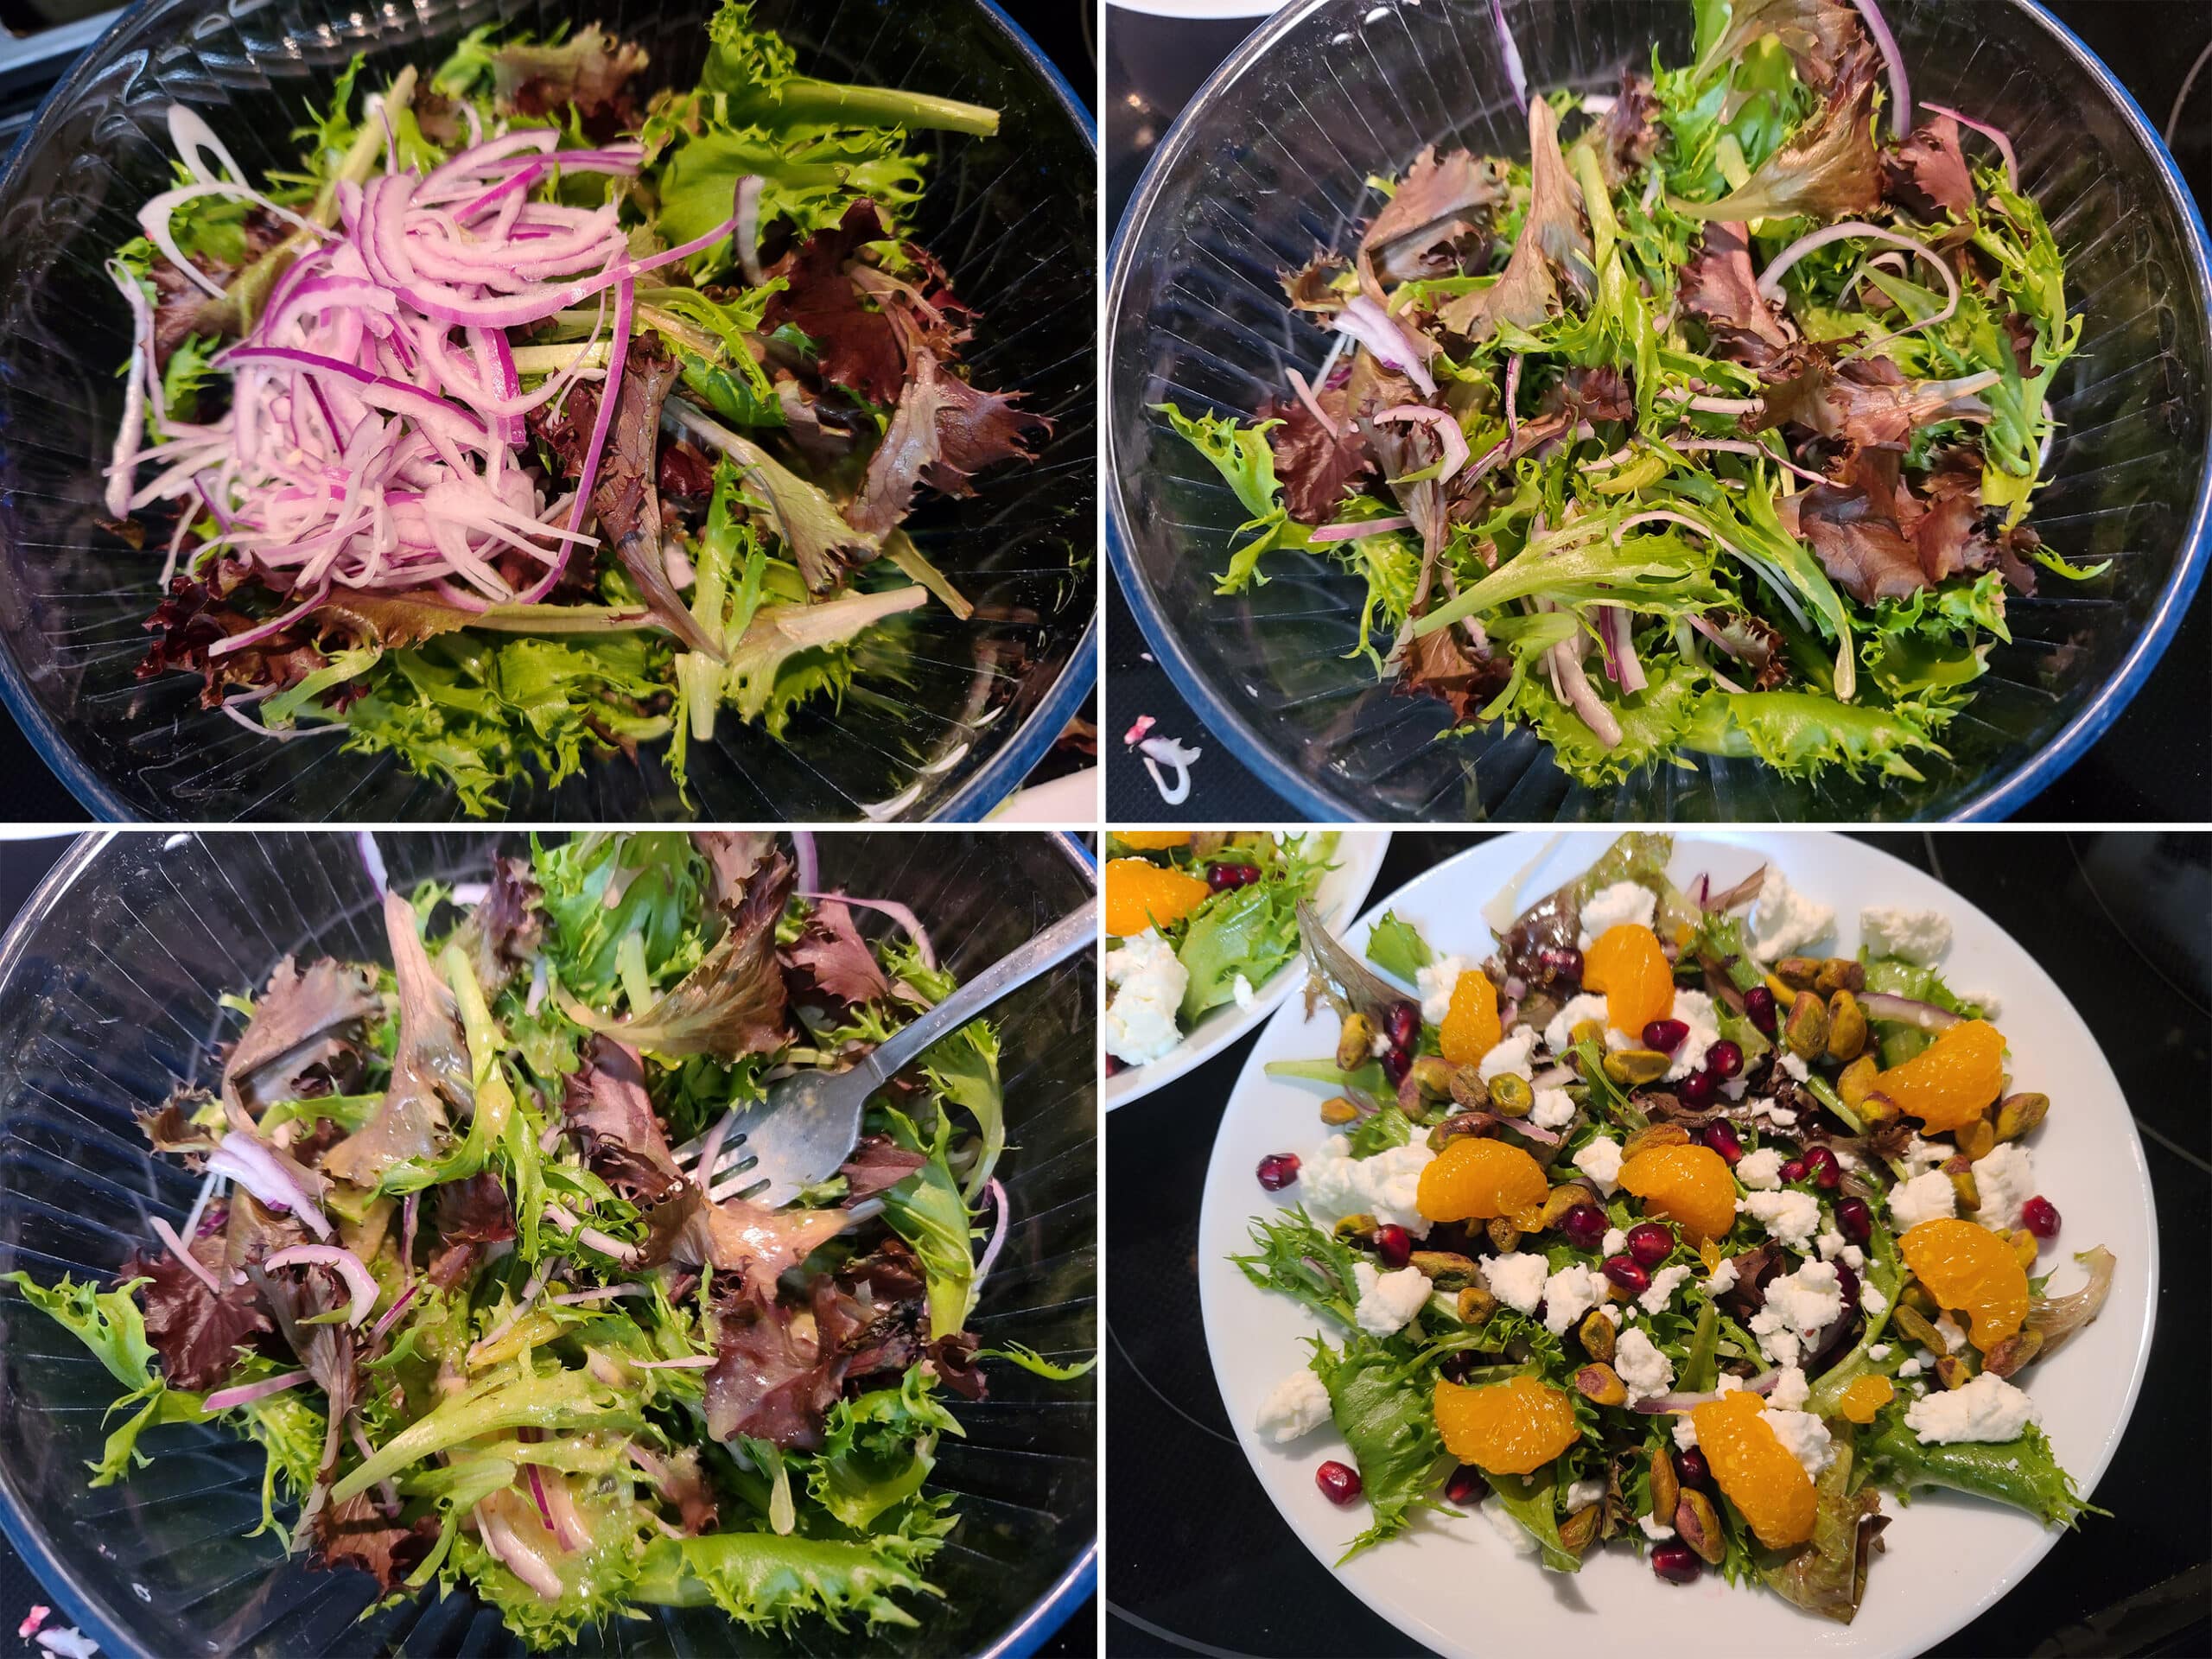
1724	1059
1394	1245
1278	1170
1223	877
1793	1172
2040	1217
1848	1282
1457	1368
1584	1226
1690	1467
1625	1272
1401	1025
1677	1563
1564	962
1854	1220
1114	1067
1722	1138
1696	1090
1665	1035
1820	1163
1340	1482
1466	1485
1396	1062
1650	1243
1758	1004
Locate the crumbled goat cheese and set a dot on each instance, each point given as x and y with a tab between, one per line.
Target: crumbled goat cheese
1796	1068
1871	1302
1559	1034
1388	1301
2006	1179
1601	1161
1622	905
1988	1002
1781	1116
1926	1197
1915	936
1657	1531
1912	1368
1792	1216
1614	1243
1553	1108
1150	983
1785	920
1853	1257
1953	1335
1685	1433
1510	1055
1986	1409
1297	1405
1584	1493
1661	1290
1791	1390
1642	1369
1517	1279
1435	982
1806	1436
1569	1293
1921	1154
1830	1244
1760	1171
1386	1186
1799	1306
1695	1010
1723	1278
1879	1352
1241	987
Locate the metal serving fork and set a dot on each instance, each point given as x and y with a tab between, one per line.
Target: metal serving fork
807	1125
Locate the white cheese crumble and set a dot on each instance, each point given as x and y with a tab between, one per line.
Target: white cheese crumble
1517	1279
1624	904
1799	1306
1695	1010
1792	1216
1785	921
1781	1116
1559	1034
1685	1433
1654	1528
1912	1367
1830	1244
1879	1352
1806	1436
1723	1278
1797	1067
1643	1369
1297	1405
1601	1161
1791	1390
2006	1179
1760	1171
1435	982
1953	1335
1914	936
1661	1292
1386	1186
1569	1293
1553	1108
1614	1243
1927	1196
1986	1409
1871	1302
1510	1055
1241	987
1388	1301
1584	1493
1141	1020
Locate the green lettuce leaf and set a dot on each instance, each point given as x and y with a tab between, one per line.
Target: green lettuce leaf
1381	1406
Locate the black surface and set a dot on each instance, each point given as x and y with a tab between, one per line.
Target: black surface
2153	764
1202	1563
1063	30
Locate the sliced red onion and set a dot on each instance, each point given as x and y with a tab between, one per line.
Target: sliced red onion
1995	135
1900	88
349	1266
1744	447
1510	50
1513	395
1350	532
1165	751
900	913
517	1557
191	1263
625	298
1762	1384
389	1317
545	1509
1447	428
1770	283
998	1231
804	856
245	1160
746	235
1904	1010
1298	384
604	1293
689	1362
1573	688
1373	327
1711	405
246	1393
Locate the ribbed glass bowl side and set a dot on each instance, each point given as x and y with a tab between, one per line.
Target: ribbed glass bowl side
1270	162
108	988
950	731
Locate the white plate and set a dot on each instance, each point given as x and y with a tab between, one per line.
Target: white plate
1452	1585
1359	856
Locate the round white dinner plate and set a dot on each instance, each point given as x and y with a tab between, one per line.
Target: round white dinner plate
1453	1584
1338	897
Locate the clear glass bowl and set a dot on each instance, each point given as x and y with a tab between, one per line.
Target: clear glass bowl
1269	162
1012	216
108	987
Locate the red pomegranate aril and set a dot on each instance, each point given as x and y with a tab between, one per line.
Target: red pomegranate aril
1466	1485
1394	1244
1665	1035
1223	877
1624	1271
1691	1468
1758	1005
1724	1059
1340	1482
1793	1172
1820	1163
1650	1243
1401	1025
1278	1170
1854	1219
2040	1217
1396	1062
1562	961
1696	1090
1677	1563
1723	1138
1584	1225
1847	1284
1114	1066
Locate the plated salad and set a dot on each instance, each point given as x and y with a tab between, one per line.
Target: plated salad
451	1270
1711	428
1654	1227
1199	920
538	415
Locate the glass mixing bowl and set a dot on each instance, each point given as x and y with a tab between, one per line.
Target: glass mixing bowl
1012	216
108	987
1269	162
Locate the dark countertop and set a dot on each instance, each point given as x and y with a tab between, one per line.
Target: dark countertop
2152	765
1201	1562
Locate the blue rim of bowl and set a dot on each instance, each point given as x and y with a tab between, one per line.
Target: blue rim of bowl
2000	801
1037	1625
995	780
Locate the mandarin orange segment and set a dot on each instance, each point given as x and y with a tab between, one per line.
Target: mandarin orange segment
1473	1179
1153	840
1952	1081
1761	1475
1689	1184
1626	964
1969	1269
1140	895
1866	1396
1513	1427
1471	1028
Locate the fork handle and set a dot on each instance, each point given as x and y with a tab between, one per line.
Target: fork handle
1074	931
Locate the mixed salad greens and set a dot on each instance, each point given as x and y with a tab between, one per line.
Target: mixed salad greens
534	418
1725	384
1705	1261
449	1269
1200	919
